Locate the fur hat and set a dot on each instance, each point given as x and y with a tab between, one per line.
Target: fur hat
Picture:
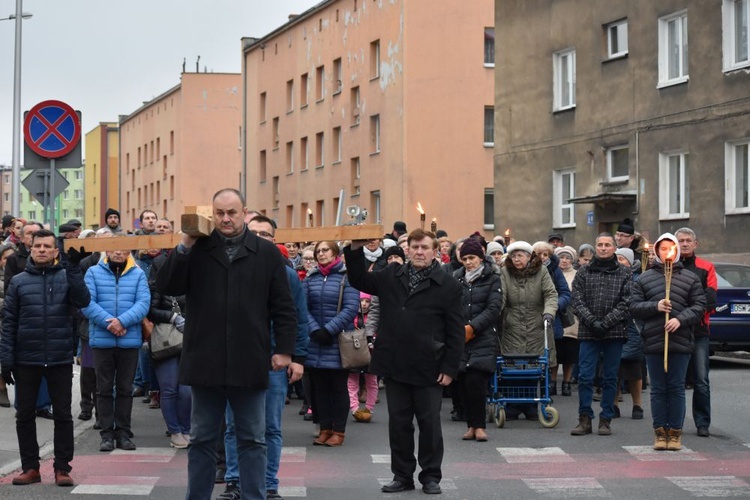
567	250
397	250
520	245
626	226
494	246
627	253
472	247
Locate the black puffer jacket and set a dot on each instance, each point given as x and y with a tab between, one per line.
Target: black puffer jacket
482	301
688	304
38	327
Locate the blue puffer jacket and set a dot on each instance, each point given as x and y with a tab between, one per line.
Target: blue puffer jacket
322	293
38	317
127	299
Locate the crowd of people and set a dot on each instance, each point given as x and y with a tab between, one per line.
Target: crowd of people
436	314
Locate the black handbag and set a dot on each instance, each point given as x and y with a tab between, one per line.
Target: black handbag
567	317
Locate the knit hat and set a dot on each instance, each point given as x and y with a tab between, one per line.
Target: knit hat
567	250
627	253
517	245
555	236
397	250
584	247
111	211
86	233
399	227
441	233
363	295
387	243
494	246
472	247
626	226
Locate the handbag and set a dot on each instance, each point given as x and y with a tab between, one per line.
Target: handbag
567	317
166	339
353	348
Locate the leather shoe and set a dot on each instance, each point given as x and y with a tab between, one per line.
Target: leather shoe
124	443
27	477
431	488
62	478
397	486
84	415
219	475
45	413
703	432
107	444
481	435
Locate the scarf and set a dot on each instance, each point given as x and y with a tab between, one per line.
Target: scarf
472	275
604	265
232	245
417	276
326	270
373	256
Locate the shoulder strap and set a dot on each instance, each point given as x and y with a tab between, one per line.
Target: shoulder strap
341	294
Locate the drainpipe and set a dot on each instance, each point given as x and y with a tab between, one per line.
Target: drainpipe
637	172
243	140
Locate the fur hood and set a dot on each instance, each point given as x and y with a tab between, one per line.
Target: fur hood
533	267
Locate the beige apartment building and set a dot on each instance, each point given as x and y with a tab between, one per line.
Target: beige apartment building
181	147
101	173
390	103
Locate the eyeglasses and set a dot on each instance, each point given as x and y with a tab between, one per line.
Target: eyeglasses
517	256
322	250
308	259
262	234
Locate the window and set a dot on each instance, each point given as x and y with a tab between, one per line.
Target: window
489	208
65	213
139	158
171	142
275	133
489	126
617	39
375	134
290	157
336	145
78	194
564	188
32	214
320	212
262	109
674	186
78	175
617	164
489	47
262	166
303	84
354	99
158	143
564	70
737	175
6	196
375	59
66	195
7	179
304	154
338	77
355	175
673	49
736	19
375	207
319	157
320	83
290	96
276	192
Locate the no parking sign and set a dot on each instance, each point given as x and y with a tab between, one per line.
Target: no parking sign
52	129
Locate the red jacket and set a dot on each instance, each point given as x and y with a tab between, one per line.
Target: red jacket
707	274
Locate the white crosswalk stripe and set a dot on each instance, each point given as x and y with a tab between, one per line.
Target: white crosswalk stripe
572	487
534	455
713	486
648	454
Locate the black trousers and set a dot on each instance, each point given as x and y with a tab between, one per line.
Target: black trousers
60	384
331	402
115	368
88	389
471	390
405	402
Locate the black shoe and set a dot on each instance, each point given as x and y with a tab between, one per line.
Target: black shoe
138	392
84	415
703	432
45	413
397	486
637	413
97	426
303	410
124	443
273	494
617	412
232	492
107	444
458	416
553	389
219	476
566	389
431	488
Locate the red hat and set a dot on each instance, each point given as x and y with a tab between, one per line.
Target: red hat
283	250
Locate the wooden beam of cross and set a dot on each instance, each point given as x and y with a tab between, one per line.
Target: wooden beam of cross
330	233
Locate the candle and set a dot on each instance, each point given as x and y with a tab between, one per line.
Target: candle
433	225
309	218
644	258
507	237
421	215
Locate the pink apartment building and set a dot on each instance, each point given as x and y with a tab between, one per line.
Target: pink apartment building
391	102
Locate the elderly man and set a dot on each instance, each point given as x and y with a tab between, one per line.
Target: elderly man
235	284
419	347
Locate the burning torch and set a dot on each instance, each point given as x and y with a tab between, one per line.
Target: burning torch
421	215
668	261
433	225
644	258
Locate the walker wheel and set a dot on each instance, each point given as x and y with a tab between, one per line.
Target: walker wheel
553	417
500	417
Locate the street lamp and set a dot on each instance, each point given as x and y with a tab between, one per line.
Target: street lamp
19	16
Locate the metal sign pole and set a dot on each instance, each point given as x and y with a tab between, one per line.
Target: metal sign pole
45	196
52	224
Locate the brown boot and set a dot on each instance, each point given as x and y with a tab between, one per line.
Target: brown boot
583	427
27	477
324	436
155	402
337	439
674	441
660	443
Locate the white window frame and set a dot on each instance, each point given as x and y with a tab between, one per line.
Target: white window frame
78	175
557	198
665	187
683	54
610	176
559	82
621	32
729	34
730	174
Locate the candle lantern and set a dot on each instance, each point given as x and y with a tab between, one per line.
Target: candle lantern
421	215
433	225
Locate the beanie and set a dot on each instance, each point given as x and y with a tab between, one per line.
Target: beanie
585	247
626	226
519	245
363	295
627	253
7	220
472	247
567	250
389	242
494	246
397	250
111	211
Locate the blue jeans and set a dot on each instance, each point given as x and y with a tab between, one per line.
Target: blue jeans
175	399
668	389
145	375
701	385
588	356
249	409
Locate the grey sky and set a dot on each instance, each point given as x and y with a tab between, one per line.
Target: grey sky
105	57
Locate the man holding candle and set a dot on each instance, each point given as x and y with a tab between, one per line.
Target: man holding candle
670	307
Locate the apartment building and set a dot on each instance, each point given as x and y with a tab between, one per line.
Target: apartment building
101	173
624	108
389	103
181	147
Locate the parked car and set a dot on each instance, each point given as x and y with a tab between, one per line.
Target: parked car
730	326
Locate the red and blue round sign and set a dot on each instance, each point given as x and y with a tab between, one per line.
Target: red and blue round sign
52	129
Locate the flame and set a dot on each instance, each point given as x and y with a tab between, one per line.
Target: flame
419	208
672	253
434	219
645	247
507	232
309	211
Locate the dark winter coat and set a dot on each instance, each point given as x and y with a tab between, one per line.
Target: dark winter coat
38	325
16	264
563	292
227	340
482	303
633	347
601	291
322	295
688	304
421	333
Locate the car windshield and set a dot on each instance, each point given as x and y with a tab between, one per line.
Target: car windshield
733	275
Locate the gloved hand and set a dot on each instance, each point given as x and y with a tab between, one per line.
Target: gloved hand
179	323
8	375
598	329
549	318
321	337
75	256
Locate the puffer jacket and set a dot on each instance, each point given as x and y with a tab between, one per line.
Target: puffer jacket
633	348
601	291
38	326
563	292
127	299
528	294
482	301
322	294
